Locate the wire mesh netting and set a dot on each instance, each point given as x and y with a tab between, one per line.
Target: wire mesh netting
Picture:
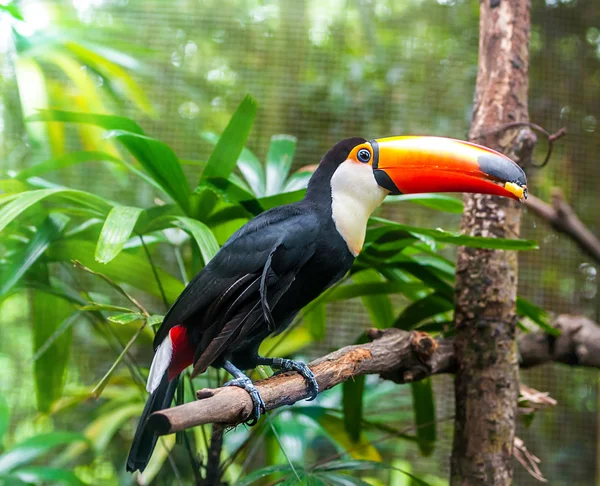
327	70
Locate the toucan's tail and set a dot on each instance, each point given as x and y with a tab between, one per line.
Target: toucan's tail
145	439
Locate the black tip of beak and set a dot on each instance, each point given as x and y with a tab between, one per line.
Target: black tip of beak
502	169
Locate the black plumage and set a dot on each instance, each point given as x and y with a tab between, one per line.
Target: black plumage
264	275
254	286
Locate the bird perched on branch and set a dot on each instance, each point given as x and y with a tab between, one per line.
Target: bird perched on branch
285	257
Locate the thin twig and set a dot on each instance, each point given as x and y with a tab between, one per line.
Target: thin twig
114	285
104	381
561	216
551	137
155	272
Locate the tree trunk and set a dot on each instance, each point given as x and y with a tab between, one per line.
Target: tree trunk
487	375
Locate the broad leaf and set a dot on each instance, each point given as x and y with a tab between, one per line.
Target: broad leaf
47	475
202	234
538	315
117	229
281	199
48	313
298	180
67	160
50	229
425	417
4	418
108	122
164	447
35	447
160	162
439	202
464	240
12	10
422	309
27	199
352	402
379	307
334	426
315	321
249	166
127	318
129	268
279	160
224	157
262	473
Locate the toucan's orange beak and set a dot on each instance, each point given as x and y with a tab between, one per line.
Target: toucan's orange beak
405	165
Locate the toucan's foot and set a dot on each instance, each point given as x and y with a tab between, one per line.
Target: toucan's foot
242	381
291	365
259	405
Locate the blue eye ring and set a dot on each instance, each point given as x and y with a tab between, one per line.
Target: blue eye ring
363	155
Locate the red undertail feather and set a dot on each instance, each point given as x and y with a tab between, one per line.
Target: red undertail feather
183	351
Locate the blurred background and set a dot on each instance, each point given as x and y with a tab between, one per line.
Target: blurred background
320	71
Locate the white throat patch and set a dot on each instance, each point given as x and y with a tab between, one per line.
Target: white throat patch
354	196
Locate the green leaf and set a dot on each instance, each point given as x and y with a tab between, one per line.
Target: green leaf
361	449
117	229
48	312
422	309
49	230
439	202
379	307
262	473
96	306
47	475
129	268
224	157
127	318
298	180
101	430
464	240
204	237
35	447
164	447
4	418
538	315
66	160
13	10
281	199
112	71
352	402
316	321
344	292
155	319
249	166
159	160
425	417
279	160
108	122
27	199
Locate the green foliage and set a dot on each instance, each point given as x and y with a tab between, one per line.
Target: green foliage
125	246
106	238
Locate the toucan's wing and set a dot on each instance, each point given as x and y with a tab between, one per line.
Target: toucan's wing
278	239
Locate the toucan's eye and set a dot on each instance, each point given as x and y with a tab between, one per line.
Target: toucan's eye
364	155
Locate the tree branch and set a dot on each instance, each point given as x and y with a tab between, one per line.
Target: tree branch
397	355
564	220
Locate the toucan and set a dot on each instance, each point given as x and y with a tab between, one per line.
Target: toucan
285	257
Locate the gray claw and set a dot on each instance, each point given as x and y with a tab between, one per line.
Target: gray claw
305	371
259	404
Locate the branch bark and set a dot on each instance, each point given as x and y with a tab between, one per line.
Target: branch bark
487	378
564	220
396	355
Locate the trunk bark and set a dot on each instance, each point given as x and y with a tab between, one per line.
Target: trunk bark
487	378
